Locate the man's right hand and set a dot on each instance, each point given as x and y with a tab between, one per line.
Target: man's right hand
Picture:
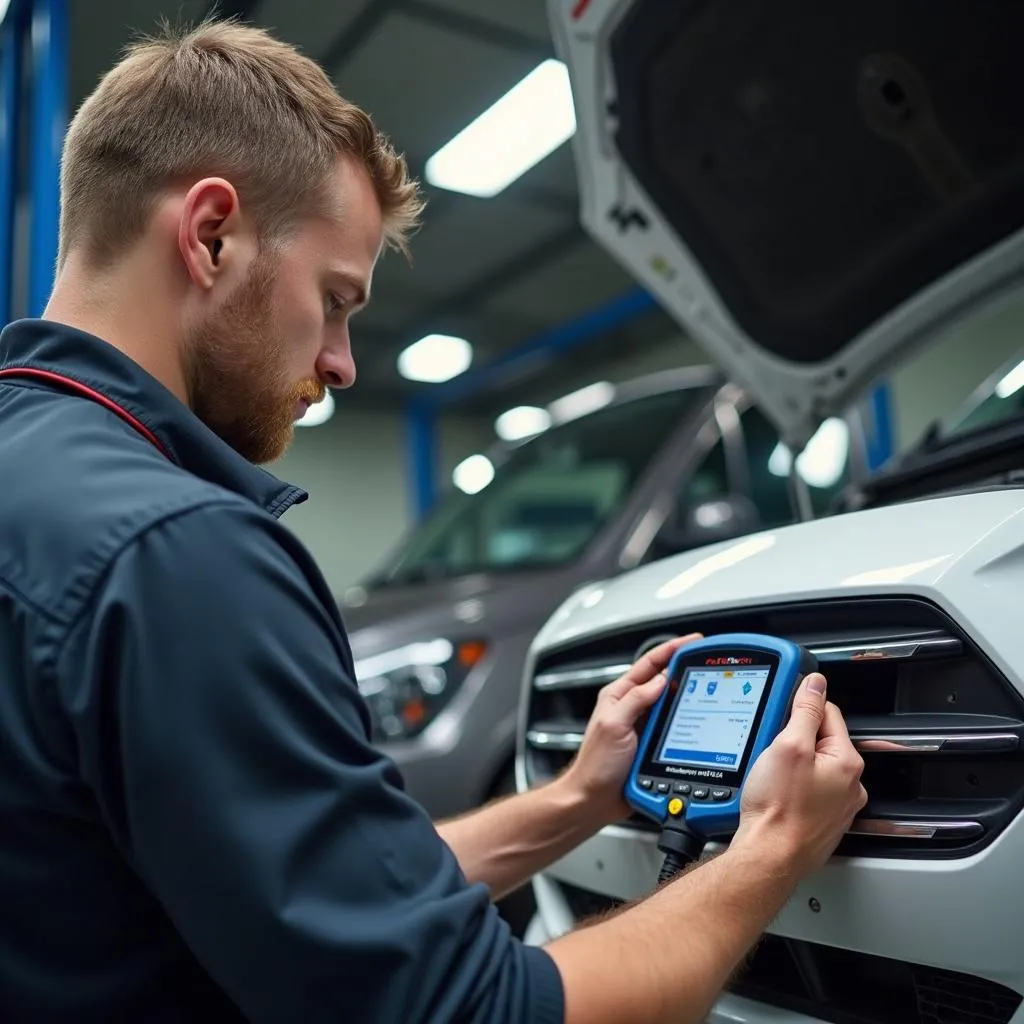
804	791
672	953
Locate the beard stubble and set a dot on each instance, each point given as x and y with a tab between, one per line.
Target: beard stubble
236	372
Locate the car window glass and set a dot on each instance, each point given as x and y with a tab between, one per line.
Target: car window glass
549	499
768	489
709	480
824	466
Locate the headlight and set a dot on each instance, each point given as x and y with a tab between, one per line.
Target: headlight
406	688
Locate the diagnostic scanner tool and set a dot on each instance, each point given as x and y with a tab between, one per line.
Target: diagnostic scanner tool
727	698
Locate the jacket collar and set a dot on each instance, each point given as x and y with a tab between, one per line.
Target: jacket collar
57	349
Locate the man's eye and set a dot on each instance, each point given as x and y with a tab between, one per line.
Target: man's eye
335	304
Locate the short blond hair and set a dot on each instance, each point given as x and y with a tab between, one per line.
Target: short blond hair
218	99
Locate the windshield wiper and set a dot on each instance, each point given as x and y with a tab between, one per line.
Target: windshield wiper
986	455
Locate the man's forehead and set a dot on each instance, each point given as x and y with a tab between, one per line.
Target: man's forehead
350	190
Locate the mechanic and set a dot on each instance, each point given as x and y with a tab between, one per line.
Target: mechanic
194	821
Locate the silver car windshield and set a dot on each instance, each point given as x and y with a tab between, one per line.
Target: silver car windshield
547	500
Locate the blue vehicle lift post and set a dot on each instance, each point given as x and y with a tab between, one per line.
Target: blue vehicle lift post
49	123
11	35
41	27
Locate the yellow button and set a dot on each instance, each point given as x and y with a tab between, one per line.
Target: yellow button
675	806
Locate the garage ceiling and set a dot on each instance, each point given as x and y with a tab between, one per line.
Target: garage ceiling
498	271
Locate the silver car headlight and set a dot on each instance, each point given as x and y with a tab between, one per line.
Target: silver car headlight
407	687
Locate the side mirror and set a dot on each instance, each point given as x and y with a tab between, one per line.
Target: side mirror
709	521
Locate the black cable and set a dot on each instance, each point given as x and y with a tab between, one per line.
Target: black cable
681	848
672	865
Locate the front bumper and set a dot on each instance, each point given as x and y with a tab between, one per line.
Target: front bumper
729	1009
957	915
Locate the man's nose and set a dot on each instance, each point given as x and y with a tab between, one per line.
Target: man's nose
336	367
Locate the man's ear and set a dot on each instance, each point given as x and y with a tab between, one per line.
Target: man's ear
210	236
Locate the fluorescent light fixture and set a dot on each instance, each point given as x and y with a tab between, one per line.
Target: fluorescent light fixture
580	403
1012	382
4	4
821	463
435	358
522	421
473	474
319	413
530	121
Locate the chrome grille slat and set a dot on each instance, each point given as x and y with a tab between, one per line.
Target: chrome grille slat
555	739
931	645
568	679
939	646
908	743
934	830
569	737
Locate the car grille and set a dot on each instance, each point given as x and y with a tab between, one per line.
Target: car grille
847	987
938	726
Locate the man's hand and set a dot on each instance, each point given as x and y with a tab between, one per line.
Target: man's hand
505	843
672	953
804	791
599	771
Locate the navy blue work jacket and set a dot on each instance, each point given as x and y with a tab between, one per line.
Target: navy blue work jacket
193	822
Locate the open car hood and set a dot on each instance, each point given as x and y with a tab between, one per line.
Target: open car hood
811	189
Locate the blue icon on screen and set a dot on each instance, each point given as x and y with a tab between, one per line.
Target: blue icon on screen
746	689
692	686
712	686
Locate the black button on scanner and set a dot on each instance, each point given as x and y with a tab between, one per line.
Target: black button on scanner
720	794
683	788
700	794
646	783
662	787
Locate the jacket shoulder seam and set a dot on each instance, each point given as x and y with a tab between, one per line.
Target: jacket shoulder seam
77	600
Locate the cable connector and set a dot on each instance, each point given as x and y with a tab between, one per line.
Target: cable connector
681	848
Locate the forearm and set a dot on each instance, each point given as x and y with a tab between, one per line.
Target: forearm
506	842
668	958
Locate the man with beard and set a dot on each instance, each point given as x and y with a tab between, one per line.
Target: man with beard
193	823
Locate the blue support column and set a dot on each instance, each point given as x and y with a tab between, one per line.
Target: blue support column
10	83
49	122
880	443
421	443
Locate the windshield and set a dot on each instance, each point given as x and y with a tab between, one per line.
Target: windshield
548	500
1001	398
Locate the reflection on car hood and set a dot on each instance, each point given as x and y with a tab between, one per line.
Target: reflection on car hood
903	549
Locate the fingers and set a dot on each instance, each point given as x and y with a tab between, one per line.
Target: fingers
808	712
646	668
640	698
833	726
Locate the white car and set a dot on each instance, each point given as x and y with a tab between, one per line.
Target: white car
815	190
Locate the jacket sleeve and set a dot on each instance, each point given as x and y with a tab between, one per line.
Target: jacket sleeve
221	732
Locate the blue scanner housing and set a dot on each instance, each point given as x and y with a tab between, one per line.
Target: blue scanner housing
728	696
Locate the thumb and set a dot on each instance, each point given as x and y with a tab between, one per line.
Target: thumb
808	708
640	698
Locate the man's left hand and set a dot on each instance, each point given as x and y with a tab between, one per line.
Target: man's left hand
599	771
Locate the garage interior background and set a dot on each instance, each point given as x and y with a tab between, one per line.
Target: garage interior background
543	309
